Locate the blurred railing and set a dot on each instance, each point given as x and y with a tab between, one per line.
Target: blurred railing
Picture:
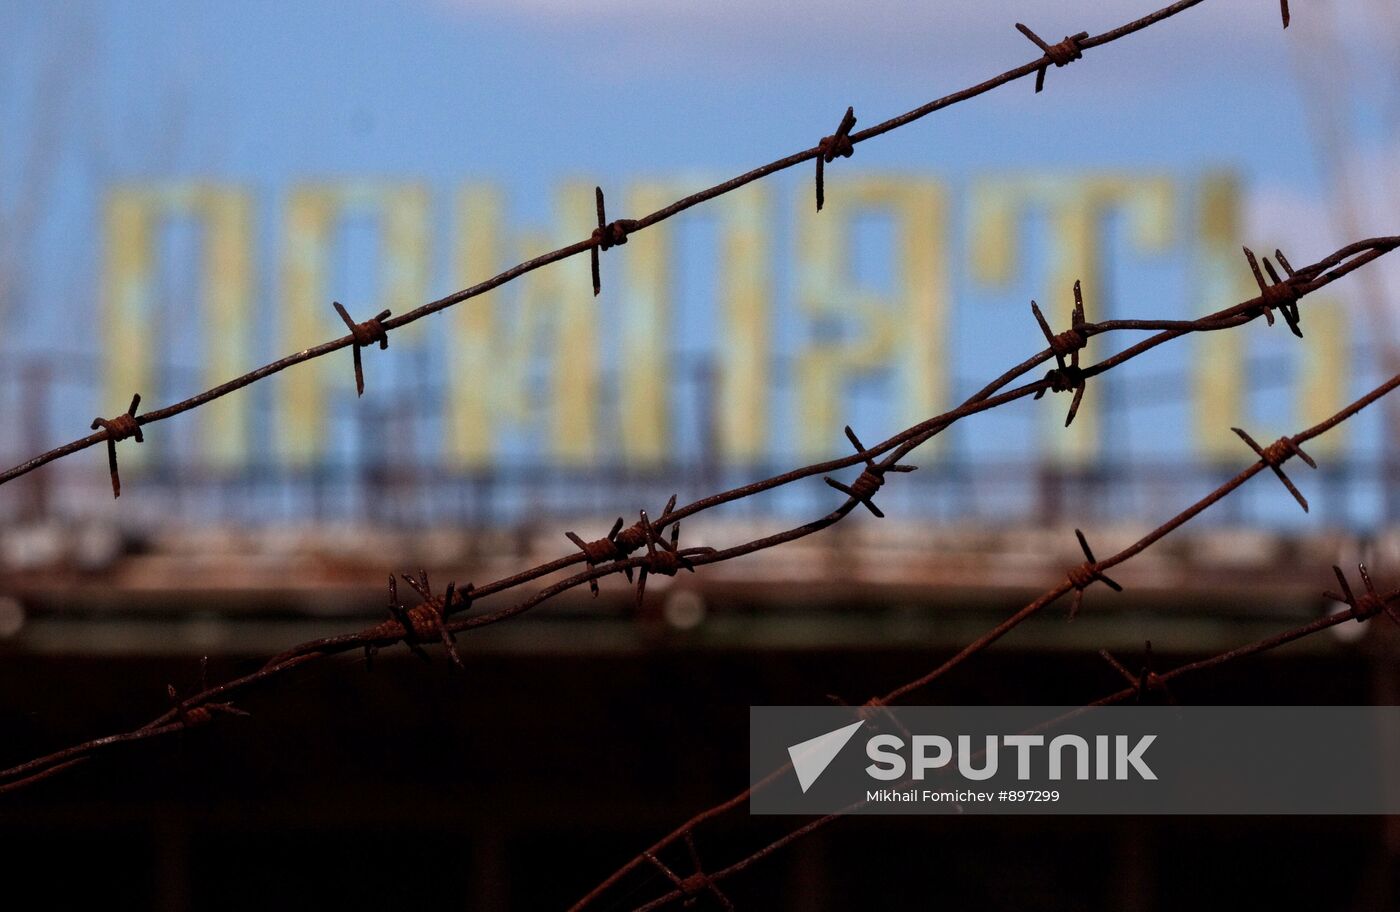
391	476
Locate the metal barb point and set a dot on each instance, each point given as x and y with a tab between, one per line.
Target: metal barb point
1065	377
664	558
606	236
692	886
1082	576
119	428
403	618
830	148
365	334
1367	605
449	640
1275	455
870	480
199	714
1276	292
1060	54
1147	683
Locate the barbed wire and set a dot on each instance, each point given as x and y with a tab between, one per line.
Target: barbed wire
640	550
608	234
1146	684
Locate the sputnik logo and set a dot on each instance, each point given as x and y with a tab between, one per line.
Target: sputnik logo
810	758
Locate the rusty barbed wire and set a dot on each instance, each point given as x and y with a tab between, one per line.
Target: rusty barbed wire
693	886
612	554
870	480
117	429
1370	603
1274	455
1276	292
606	236
1147	685
1082	576
831	147
365	334
1062	54
616	552
1066	377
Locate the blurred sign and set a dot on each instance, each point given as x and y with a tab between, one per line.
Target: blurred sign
547	331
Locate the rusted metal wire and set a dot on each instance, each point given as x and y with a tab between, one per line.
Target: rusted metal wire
1275	454
116	429
614	233
1062	54
425	621
439	620
664	558
1066	377
870	481
1276	292
431	619
695	885
1370	603
606	236
836	145
365	334
1084	575
1147	685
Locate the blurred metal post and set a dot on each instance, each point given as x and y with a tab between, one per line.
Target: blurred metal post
35	380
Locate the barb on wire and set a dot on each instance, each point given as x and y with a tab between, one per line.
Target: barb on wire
600	550
365	335
1065	377
606	236
664	558
203	713
430	618
836	145
616	545
1370	603
874	711
1137	687
118	429
1283	9
1082	576
870	480
1275	455
694	885
1143	684
1280	293
1062	54
1150	686
425	621
419	625
610	234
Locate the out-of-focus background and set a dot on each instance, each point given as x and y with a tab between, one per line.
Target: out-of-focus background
185	187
